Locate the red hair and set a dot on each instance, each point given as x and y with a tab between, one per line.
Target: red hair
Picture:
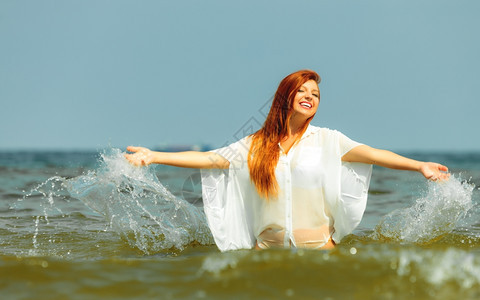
264	151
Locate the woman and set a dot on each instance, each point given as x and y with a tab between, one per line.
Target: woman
290	184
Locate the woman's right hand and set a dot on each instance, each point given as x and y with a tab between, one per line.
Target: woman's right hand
140	157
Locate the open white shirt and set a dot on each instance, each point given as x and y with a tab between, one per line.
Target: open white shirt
317	190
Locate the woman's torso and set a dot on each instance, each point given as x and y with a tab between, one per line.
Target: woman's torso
299	217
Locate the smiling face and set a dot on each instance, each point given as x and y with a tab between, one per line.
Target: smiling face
306	100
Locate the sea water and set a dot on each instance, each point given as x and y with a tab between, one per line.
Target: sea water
90	225
137	206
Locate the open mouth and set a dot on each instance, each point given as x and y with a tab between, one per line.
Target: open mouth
306	104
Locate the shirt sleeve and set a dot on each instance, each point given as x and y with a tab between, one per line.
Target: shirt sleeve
228	211
236	153
347	189
346	144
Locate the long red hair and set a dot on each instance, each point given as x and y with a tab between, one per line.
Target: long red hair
264	151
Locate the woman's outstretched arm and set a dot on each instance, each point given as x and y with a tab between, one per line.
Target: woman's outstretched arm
190	159
388	159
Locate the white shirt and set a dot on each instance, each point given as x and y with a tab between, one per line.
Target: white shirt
317	191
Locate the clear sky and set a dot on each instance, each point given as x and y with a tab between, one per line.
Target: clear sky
401	75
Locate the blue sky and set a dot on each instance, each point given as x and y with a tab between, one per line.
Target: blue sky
401	75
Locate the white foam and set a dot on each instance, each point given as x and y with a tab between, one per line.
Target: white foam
439	267
219	262
431	217
138	206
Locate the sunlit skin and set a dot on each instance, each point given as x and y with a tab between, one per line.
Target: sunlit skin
305	105
309	93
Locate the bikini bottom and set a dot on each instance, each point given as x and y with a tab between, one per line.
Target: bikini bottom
304	238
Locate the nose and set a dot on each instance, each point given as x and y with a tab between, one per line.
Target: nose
308	95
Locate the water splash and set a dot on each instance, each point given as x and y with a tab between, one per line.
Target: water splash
138	206
43	203
431	217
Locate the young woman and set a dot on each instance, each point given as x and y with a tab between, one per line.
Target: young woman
290	184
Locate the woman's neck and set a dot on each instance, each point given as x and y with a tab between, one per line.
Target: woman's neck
295	130
296	127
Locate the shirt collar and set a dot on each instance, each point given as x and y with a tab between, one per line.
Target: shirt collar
310	130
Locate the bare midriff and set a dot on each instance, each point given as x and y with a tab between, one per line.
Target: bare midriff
304	238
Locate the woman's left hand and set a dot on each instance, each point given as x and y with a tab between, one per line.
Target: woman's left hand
434	171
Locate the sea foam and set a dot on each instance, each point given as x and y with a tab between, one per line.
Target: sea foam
138	206
431	217
149	217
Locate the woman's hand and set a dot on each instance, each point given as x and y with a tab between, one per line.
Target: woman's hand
140	157
434	171
388	159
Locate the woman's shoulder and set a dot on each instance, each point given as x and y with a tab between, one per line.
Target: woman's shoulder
324	131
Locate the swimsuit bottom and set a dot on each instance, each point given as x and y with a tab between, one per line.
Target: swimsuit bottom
304	238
